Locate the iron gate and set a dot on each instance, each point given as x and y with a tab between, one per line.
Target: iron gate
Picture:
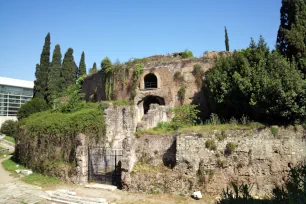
104	165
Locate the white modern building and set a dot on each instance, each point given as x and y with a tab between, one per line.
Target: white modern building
13	93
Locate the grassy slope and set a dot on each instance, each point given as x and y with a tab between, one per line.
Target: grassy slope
10	139
199	129
34	179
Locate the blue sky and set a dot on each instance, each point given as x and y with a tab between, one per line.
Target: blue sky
122	29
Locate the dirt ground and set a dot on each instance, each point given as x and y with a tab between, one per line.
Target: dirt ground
124	197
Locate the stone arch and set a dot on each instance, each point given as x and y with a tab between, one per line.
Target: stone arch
150	81
150	76
148	100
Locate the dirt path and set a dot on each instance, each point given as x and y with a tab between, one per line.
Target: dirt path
5	177
12	190
124	197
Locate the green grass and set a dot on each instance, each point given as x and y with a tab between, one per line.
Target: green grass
11	166
41	180
199	129
33	179
10	139
122	103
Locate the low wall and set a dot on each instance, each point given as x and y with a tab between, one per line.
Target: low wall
260	159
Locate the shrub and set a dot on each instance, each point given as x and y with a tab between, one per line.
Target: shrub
211	144
178	77
274	131
244	120
221	136
213	119
181	94
261	84
71	100
233	121
230	148
221	163
33	106
294	190
9	128
185	115
198	74
185	54
239	195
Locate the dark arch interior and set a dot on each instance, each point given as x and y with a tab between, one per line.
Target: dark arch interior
148	100
150	81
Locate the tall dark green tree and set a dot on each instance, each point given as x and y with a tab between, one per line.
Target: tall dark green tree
68	70
291	38
40	84
82	65
54	76
227	47
93	69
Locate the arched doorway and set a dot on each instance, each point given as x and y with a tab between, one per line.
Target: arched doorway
148	100
150	81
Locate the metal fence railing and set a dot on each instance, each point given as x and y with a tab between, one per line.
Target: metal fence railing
150	85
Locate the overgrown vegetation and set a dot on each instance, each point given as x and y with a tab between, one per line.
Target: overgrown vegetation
9	139
294	190
33	106
274	131
181	94
230	148
221	136
34	179
185	54
257	83
47	141
211	144
198	74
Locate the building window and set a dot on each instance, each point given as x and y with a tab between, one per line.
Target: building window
150	81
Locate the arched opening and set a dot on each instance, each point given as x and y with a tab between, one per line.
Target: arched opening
150	81
148	100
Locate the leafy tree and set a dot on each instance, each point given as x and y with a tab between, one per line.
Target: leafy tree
108	70
185	115
68	70
9	128
291	38
33	106
260	84
54	76
40	84
227	47
93	69
82	66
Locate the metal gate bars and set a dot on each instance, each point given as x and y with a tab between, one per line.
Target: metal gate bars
104	165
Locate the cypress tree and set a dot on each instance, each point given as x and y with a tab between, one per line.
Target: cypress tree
40	84
226	41
77	70
291	37
68	70
82	65
54	76
93	69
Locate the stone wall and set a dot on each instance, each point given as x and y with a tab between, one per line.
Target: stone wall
260	159
94	88
155	115
120	128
